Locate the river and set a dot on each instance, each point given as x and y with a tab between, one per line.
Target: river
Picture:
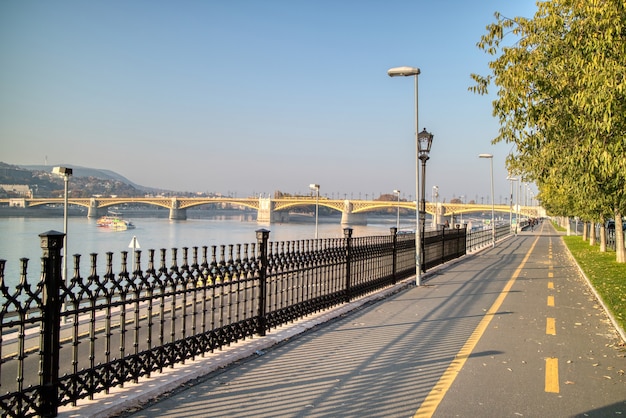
19	236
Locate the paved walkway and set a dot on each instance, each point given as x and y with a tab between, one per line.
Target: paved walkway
512	331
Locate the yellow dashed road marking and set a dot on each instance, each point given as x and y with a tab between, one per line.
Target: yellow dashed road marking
552	375
434	398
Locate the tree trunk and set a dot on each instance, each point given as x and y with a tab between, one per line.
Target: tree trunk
620	251
603	237
592	233
585	229
566	224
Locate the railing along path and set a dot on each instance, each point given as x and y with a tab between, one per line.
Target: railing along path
62	342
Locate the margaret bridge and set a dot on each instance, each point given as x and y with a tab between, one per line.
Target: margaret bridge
272	209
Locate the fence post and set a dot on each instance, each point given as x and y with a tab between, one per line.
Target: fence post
443	245
51	244
463	242
347	233
262	237
394	269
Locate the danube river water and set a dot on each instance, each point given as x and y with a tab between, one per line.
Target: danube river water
19	237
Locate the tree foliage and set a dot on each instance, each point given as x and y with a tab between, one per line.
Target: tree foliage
561	99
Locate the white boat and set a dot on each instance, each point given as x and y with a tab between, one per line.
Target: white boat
115	222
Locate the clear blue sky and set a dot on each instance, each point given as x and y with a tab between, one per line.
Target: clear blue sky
252	96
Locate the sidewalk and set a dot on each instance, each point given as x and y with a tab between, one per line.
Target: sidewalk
417	347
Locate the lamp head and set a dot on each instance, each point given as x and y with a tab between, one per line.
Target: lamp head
485	155
424	141
64	171
403	71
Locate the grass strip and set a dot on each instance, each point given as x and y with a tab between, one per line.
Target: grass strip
606	275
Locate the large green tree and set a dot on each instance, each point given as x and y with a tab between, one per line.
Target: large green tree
561	99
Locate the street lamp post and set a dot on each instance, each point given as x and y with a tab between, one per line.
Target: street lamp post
493	225
519	203
316	187
511	179
66	173
414	72
398	211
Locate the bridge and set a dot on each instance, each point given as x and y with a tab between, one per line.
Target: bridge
269	209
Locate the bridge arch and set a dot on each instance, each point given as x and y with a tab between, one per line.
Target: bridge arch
268	207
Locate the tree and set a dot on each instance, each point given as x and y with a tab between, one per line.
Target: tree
561	100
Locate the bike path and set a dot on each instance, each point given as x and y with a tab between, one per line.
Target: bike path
555	351
472	341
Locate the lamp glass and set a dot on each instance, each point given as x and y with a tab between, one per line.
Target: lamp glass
425	141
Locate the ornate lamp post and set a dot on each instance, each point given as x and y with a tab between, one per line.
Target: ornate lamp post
511	179
316	187
424	141
66	173
413	72
398	215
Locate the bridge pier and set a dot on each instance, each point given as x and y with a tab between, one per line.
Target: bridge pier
94	211
350	218
266	213
176	213
438	217
17	203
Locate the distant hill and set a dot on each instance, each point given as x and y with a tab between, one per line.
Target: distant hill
85	182
88	172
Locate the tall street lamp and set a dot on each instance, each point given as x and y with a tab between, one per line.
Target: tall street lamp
425	141
511	179
398	215
66	173
316	187
519	203
407	72
493	225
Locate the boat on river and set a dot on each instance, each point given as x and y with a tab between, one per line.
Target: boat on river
115	222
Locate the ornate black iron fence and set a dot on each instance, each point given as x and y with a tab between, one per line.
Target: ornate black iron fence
62	342
482	238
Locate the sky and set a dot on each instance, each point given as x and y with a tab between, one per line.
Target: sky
250	97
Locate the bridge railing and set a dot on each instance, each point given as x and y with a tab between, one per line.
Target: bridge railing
63	342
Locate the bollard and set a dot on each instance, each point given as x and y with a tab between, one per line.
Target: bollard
51	244
262	237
